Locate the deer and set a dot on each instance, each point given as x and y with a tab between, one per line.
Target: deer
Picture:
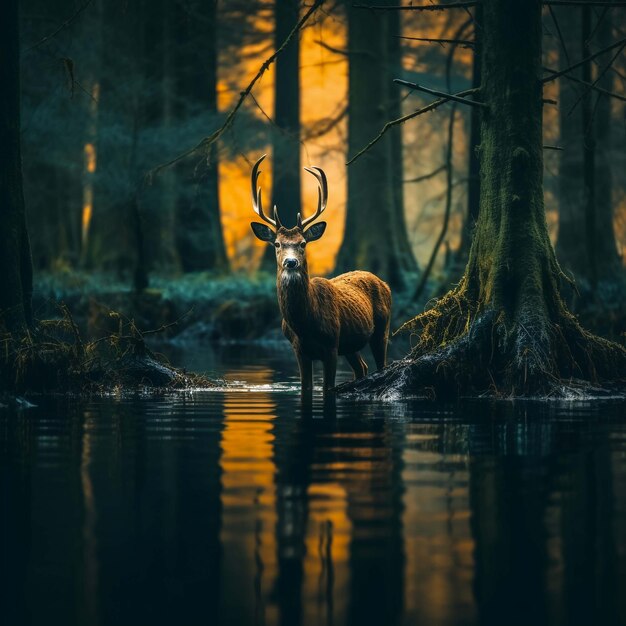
322	318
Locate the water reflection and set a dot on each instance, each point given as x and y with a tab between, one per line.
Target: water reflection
235	508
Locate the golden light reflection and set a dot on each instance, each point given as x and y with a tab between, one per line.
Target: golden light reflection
326	566
248	471
439	561
90	558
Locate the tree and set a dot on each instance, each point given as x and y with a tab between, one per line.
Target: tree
110	244
586	246
200	240
375	236
473	182
505	327
570	247
608	263
286	193
394	111
16	273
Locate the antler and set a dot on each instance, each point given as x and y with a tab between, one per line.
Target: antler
322	195
257	204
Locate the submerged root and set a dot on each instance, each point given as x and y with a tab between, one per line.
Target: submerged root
461	352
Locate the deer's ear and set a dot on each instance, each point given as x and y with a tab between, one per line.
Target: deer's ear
313	233
263	232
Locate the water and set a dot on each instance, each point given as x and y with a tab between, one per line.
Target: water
229	508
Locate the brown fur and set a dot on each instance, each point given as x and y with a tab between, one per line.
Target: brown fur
326	318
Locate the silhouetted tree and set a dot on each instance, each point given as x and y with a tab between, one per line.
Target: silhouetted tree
286	193
375	237
200	241
16	274
586	244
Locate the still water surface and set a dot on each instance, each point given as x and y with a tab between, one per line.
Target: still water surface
231	507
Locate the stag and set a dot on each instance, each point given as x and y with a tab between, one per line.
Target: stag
322	318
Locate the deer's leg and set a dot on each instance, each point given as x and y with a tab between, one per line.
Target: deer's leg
306	374
330	370
378	342
358	365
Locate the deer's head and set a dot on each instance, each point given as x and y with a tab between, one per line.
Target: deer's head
290	243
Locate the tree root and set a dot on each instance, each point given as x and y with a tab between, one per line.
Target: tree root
464	353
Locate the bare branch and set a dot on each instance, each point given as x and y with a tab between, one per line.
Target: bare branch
324	45
582	3
553	148
424	7
432	174
556	75
326	125
441	94
61	27
389	125
600	75
230	118
606	92
459	42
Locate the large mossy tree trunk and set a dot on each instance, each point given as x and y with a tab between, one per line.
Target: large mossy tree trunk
375	236
505	328
286	193
16	272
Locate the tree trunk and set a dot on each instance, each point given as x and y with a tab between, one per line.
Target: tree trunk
200	239
93	63
505	328
586	245
473	184
110	242
608	262
372	240
394	70
571	248
16	271
286	193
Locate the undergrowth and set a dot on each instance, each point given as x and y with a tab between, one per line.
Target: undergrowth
54	358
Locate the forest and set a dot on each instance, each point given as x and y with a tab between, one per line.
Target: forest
133	126
313	312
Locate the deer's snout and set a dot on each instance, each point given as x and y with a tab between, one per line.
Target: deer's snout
290	263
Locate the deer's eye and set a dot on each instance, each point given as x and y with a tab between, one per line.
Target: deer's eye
302	244
277	244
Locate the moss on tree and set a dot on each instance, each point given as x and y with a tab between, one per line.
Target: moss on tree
505	327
